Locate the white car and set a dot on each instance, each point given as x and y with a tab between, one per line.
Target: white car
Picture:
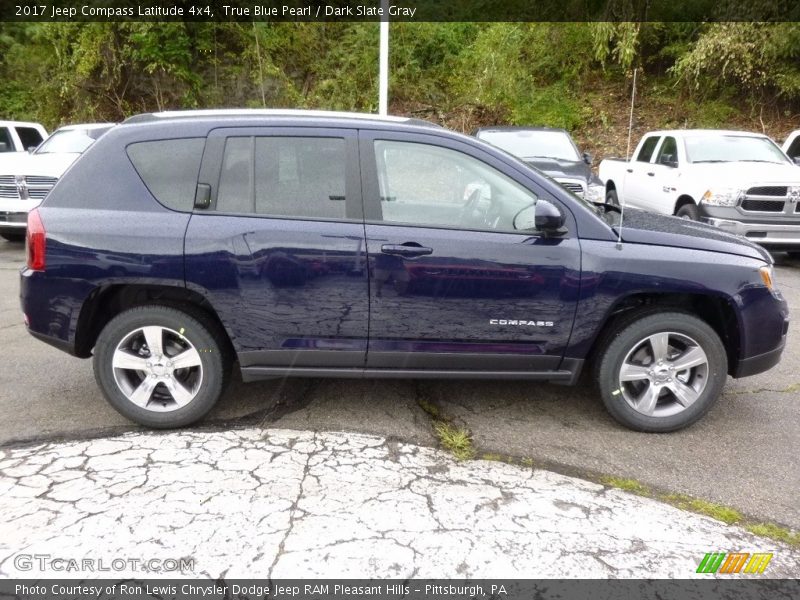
25	179
738	181
19	136
792	146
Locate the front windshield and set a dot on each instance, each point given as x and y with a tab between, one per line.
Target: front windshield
732	148
533	144
70	141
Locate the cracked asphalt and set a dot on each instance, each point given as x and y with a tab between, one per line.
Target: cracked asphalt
285	504
743	455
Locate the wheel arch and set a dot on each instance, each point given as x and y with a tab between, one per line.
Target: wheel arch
717	311
682	201
105	302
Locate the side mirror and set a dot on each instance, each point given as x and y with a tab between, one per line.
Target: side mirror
796	160
588	158
3	147
543	217
668	160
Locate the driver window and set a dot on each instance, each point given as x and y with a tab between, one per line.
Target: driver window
427	185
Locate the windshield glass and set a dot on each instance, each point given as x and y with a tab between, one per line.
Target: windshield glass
70	141
533	144
732	148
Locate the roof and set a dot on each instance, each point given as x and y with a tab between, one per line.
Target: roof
85	126
512	128
690	132
20	124
272	112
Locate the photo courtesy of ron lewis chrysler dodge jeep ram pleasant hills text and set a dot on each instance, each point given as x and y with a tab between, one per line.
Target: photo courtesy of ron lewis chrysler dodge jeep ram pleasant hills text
342	245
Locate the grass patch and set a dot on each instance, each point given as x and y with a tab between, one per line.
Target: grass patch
775	532
491	456
629	485
458	441
704	507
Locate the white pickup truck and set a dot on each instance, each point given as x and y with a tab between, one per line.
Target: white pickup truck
20	136
741	182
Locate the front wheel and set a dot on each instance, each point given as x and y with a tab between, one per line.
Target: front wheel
13	237
662	372
159	366
688	212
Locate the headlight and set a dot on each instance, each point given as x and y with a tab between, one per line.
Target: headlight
722	196
596	193
766	276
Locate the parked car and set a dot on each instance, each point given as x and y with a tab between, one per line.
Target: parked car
740	182
19	136
552	151
26	179
792	146
291	242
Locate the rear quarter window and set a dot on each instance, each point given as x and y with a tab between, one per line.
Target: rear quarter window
169	169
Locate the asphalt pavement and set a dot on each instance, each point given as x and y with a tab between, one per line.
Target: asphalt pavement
743	454
287	504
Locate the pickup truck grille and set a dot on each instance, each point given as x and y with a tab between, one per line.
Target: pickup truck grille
575	187
35	187
771	199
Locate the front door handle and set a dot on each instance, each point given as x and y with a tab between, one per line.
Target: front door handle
629	170
409	249
652	174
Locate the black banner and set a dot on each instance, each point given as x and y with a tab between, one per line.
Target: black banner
400	10
409	589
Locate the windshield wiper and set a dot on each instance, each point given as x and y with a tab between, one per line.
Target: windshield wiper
759	160
709	161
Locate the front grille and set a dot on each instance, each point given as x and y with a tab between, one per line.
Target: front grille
38	180
38	193
763	205
768	190
9	192
7	180
572	186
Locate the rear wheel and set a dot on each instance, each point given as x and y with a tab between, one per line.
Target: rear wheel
689	212
662	371
159	366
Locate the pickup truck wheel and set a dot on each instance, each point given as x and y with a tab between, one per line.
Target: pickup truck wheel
612	198
689	212
13	237
662	371
160	366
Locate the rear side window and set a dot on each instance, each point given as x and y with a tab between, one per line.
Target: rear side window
6	145
646	153
29	137
301	177
169	169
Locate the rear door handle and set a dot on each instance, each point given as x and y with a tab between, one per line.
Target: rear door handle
629	170
652	174
410	250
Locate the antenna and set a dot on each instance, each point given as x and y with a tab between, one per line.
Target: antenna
627	158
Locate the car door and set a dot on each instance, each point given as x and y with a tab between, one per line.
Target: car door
453	286
639	175
660	197
276	243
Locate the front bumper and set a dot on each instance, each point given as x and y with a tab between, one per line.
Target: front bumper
766	234
13	221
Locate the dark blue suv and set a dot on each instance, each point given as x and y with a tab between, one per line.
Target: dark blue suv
326	244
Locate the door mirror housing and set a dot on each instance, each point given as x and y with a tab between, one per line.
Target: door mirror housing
796	160
588	158
543	217
668	160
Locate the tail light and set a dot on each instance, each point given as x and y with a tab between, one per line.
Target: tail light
35	241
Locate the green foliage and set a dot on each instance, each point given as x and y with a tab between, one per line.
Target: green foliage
522	73
758	57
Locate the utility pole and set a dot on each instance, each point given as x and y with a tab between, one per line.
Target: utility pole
383	76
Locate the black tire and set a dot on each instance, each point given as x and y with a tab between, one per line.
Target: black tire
793	254
629	340
612	198
13	237
180	331
688	211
